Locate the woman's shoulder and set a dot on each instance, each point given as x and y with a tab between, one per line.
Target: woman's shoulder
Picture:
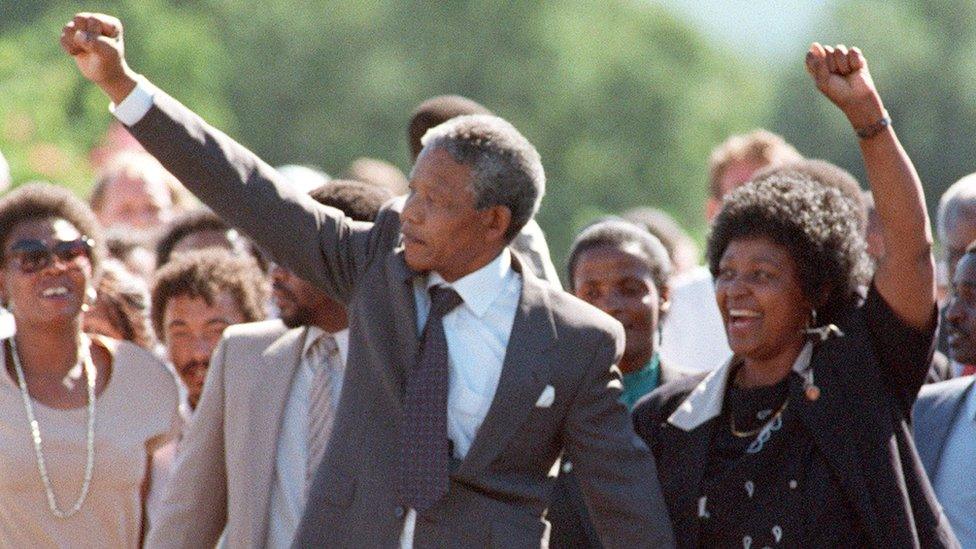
662	402
136	367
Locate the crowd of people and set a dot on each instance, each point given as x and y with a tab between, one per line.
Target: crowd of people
391	361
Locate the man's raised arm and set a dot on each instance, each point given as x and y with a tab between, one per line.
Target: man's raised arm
316	242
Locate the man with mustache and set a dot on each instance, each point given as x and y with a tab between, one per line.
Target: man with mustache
193	299
945	413
259	429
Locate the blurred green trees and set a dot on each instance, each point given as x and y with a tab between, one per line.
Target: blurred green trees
622	100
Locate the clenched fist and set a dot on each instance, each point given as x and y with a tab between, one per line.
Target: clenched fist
841	74
95	42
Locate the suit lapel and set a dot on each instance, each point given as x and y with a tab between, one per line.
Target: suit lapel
273	380
935	428
525	373
824	417
402	304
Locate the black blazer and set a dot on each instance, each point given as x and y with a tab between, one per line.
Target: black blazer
860	424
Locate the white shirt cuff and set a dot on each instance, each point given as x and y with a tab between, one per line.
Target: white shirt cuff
131	110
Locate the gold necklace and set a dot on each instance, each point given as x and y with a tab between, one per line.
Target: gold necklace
754	432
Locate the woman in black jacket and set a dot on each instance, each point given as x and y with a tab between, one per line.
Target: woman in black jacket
802	438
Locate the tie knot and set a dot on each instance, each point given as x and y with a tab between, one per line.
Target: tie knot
443	300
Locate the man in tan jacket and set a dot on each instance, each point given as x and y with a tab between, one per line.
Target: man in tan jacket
242	463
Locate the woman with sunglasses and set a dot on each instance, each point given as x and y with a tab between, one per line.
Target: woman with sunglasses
80	415
802	438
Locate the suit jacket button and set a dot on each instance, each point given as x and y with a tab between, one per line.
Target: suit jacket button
400	512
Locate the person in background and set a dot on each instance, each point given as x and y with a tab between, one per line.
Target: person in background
531	241
194	298
244	462
681	248
134	191
956	228
803	438
121	307
200	229
625	272
944	417
378	172
305	177
68	480
693	335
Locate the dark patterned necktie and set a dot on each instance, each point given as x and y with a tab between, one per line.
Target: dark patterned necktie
424	448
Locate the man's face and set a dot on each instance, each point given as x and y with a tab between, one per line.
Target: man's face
135	202
957	238
735	175
442	229
961	312
192	329
301	304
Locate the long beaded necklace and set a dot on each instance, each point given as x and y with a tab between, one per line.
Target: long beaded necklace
36	431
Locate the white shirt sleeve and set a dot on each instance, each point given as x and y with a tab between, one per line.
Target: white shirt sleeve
136	104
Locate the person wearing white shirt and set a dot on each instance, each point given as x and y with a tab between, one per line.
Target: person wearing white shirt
257	407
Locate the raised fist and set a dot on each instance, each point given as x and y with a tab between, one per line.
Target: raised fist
95	42
842	75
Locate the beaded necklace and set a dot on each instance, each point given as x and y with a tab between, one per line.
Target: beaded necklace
52	503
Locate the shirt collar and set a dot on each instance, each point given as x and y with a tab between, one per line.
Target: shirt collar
705	400
480	288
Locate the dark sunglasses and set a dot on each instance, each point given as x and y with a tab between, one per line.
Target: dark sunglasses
33	255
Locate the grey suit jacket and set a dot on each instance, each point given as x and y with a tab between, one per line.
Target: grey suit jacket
225	463
934	413
499	492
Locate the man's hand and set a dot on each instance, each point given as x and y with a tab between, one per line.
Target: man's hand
95	42
842	75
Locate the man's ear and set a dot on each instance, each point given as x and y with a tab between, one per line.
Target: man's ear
664	300
497	221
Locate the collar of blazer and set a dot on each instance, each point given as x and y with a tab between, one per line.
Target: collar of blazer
935	414
705	400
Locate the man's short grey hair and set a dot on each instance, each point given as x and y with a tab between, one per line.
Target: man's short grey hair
957	204
506	168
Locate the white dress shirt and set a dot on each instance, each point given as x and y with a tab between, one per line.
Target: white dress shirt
288	486
477	333
955	484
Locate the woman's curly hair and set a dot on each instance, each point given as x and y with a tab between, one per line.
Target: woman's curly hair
816	223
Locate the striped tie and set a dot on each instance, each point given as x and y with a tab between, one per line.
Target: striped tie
324	357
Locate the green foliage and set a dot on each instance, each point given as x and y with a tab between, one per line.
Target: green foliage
622	100
923	59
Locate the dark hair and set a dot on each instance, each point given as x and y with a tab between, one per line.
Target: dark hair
825	173
660	224
126	301
193	221
434	112
619	233
46	201
205	274
360	201
816	223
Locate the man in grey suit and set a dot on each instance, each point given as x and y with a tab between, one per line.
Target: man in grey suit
466	376
944	417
